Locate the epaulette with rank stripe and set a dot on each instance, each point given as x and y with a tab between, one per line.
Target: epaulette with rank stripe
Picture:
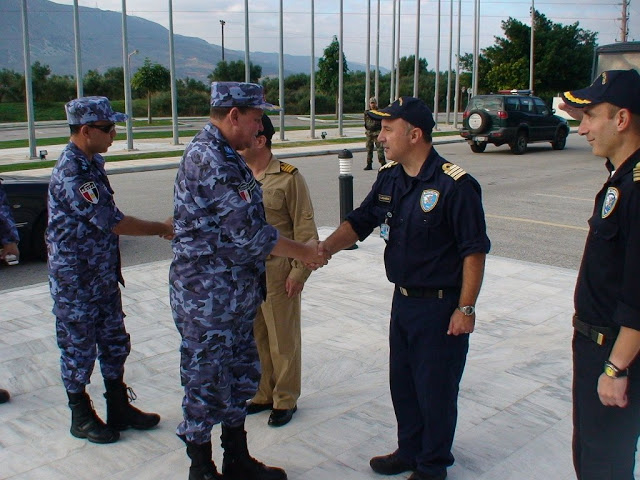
636	172
287	168
388	165
453	170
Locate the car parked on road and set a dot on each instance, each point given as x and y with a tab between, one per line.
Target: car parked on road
512	117
28	200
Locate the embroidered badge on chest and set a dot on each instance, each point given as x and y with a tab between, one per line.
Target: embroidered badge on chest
245	189
610	200
429	199
90	192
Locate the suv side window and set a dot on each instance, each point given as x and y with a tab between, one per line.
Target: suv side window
527	105
512	104
541	106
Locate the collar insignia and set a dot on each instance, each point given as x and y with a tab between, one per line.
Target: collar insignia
429	199
610	201
90	192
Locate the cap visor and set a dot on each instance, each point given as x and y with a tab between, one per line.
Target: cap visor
118	117
577	98
268	106
380	114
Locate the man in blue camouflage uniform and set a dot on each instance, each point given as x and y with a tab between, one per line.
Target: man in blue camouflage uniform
8	247
430	214
217	281
84	272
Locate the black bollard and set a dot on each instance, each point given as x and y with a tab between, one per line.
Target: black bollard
345	180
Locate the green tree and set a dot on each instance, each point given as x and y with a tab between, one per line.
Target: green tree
151	77
407	67
328	69
39	74
562	57
234	72
114	83
11	86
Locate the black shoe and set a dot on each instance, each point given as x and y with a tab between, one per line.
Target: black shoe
258	407
4	396
237	464
85	423
368	167
427	476
390	464
279	417
121	415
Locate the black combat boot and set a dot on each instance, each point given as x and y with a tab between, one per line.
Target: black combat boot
85	423
120	413
202	467
237	464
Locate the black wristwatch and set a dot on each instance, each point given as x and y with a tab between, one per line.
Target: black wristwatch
467	310
610	370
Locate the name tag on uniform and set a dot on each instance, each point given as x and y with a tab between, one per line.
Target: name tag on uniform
384	231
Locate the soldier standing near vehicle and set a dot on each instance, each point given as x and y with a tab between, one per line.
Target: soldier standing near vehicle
372	130
84	273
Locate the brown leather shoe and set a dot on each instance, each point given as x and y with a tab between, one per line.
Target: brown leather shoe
390	464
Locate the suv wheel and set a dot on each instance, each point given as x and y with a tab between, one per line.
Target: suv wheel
519	145
478	147
560	140
478	121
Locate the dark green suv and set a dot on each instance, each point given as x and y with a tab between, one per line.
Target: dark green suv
514	118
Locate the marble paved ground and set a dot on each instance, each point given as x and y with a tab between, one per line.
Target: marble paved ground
515	404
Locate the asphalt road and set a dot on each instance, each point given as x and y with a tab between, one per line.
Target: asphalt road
537	204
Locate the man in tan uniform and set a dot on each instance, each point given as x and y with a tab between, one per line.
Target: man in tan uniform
277	325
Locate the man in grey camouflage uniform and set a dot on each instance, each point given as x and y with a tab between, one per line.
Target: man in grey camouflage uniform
372	127
84	272
9	246
217	281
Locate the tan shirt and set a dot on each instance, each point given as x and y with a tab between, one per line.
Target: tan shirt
287	205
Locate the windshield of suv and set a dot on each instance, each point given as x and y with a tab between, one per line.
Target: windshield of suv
485	103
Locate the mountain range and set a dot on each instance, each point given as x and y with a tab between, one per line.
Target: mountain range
52	43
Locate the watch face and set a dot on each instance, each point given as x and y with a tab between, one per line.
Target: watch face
609	371
468	310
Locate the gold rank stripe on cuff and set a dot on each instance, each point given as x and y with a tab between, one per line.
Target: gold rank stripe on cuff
287	167
636	172
453	170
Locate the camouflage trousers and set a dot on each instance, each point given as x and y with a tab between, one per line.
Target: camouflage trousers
219	365
89	330
371	142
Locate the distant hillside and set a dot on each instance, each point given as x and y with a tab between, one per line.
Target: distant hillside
52	43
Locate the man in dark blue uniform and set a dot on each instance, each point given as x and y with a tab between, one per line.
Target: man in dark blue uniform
430	214
217	281
606	377
84	272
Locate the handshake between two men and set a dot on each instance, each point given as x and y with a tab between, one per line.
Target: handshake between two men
318	253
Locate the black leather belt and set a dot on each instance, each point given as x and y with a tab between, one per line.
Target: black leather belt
423	292
600	335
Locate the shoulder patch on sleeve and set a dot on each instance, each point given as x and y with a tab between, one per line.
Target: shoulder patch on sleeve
636	173
453	170
287	168
388	165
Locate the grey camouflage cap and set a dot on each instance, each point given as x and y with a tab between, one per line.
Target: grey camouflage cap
238	94
83	110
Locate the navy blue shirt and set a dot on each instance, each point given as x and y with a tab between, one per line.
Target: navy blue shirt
435	219
608	288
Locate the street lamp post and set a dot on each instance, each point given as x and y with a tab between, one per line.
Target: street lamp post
222	23
136	51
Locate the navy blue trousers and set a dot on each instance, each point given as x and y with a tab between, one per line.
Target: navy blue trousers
426	366
604	438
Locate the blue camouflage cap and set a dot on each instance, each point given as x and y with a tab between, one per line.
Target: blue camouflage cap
83	110
239	94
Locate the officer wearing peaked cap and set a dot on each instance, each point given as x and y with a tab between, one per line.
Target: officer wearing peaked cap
430	215
84	272
217	281
606	341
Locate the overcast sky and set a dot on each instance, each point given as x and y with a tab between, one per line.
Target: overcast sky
201	19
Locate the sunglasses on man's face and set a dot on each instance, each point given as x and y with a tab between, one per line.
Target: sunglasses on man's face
105	128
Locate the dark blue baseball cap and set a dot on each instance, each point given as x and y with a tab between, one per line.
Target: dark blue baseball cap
410	109
617	87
